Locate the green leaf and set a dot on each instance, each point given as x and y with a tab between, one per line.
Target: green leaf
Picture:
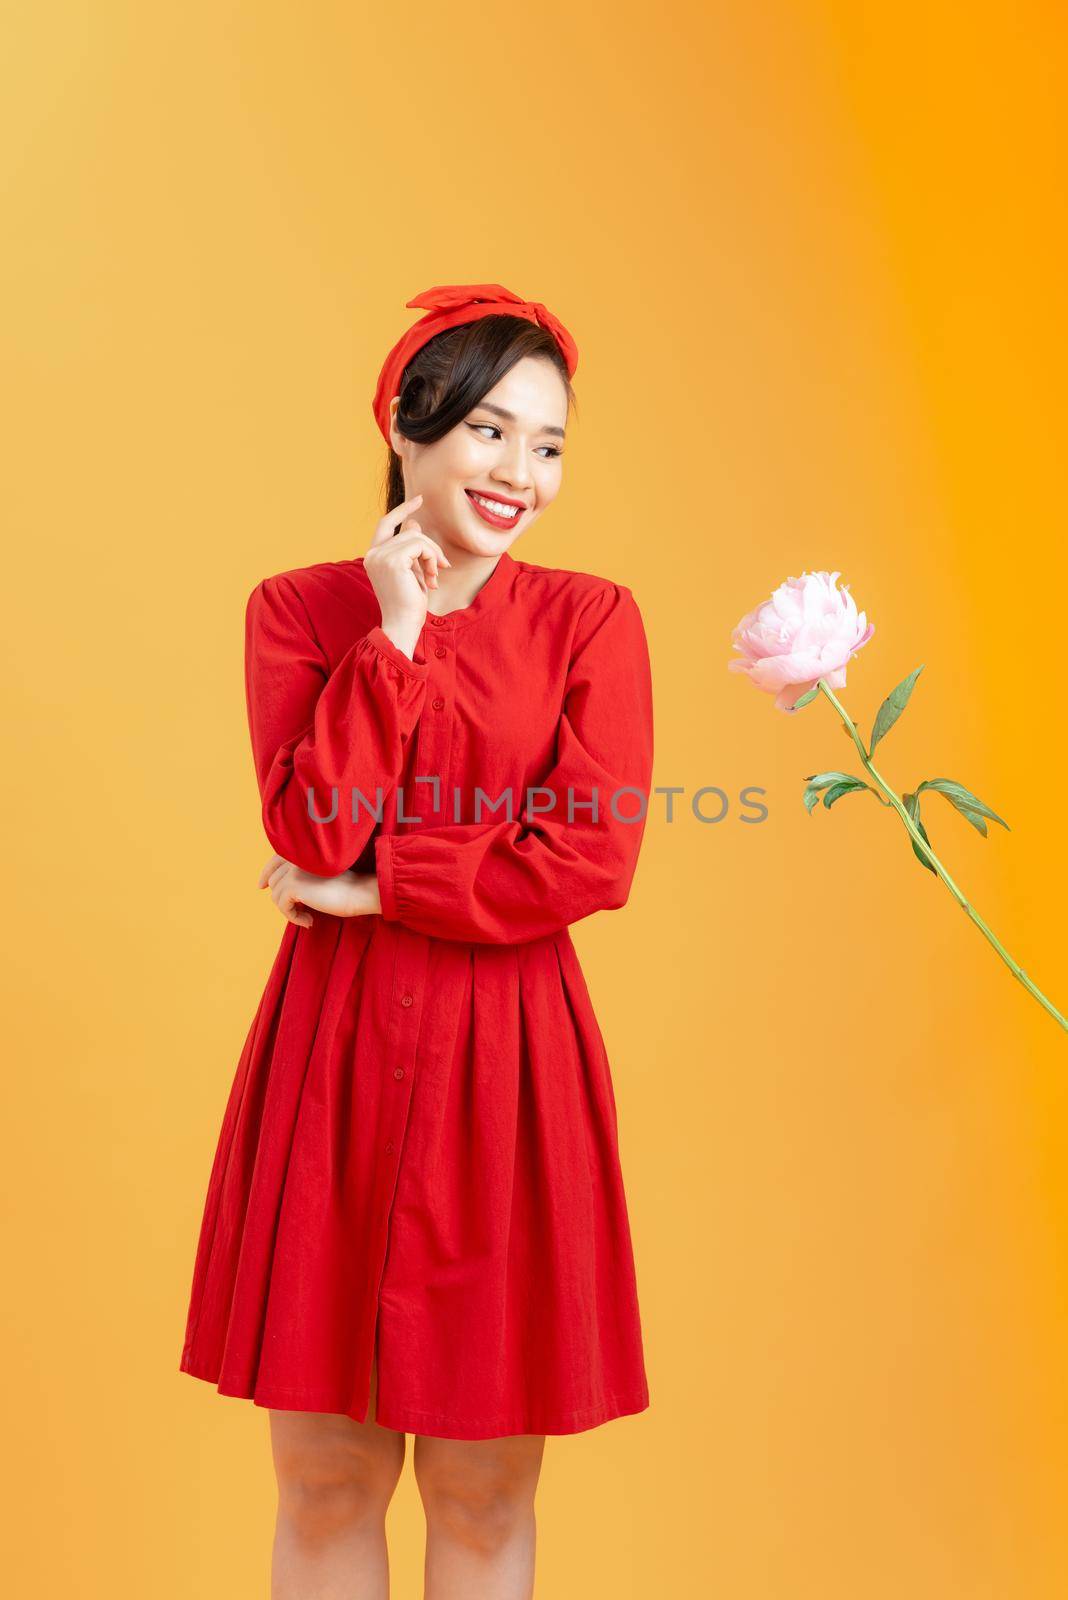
810	694
974	818
835	783
892	707
837	790
912	806
968	804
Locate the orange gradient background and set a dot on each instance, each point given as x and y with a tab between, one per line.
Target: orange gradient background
814	256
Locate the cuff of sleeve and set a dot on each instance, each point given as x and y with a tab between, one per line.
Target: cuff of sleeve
418	668
387	889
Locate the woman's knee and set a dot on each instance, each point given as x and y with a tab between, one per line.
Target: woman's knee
333	1473
479	1492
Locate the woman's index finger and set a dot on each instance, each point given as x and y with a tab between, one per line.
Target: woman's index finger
388	524
405	507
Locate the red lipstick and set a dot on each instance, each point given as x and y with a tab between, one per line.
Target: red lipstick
494	520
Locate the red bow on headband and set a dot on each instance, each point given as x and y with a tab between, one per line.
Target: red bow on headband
448	306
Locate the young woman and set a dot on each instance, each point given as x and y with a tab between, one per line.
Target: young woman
415	1220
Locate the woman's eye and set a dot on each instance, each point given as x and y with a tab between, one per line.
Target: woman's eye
492	428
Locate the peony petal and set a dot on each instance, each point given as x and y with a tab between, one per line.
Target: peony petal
775	671
786	699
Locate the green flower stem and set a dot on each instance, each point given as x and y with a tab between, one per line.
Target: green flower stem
924	847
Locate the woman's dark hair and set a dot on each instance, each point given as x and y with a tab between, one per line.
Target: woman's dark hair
452	372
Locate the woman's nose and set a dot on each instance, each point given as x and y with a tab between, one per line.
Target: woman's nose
514	468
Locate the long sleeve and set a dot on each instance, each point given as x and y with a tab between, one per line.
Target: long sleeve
505	882
326	731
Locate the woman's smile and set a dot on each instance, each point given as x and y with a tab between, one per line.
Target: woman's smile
498	510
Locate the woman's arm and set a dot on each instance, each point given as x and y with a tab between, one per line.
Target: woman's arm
316	729
508	882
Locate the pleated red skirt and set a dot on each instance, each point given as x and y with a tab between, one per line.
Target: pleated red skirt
419	1159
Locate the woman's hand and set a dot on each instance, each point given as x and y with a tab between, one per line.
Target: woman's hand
297	893
402	565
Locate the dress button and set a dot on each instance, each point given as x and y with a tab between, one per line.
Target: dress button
407	999
389	1147
440	653
398	1072
437	702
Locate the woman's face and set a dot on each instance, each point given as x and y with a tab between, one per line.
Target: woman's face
508	449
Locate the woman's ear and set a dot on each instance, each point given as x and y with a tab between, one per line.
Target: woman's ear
396	439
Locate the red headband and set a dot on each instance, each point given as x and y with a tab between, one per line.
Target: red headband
450	305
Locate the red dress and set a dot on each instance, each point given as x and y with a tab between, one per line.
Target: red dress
418	1157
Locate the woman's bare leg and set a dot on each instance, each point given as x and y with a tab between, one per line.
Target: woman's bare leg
336	1477
478	1495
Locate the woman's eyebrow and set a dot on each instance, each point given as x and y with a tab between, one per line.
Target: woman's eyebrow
509	416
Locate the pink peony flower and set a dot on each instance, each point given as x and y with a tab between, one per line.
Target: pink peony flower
808	630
